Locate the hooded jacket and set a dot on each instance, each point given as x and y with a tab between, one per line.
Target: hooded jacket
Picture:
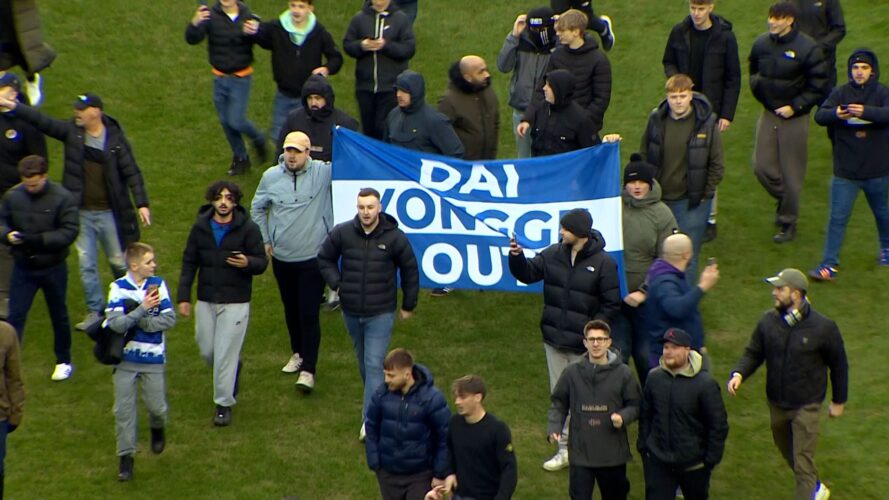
573	294
788	70
797	359
562	126
721	67
365	268
646	223
592	393
592	77
317	124
292	64
293	209
683	420
18	139
24	19
408	433
218	282
228	48
48	221
123	178
705	165
376	71
474	113
527	57
860	145
672	303
418	126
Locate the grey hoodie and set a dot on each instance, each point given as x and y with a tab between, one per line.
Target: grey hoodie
294	210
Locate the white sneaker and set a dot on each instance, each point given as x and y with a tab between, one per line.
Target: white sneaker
362	434
305	382
821	492
62	371
293	364
558	462
34	90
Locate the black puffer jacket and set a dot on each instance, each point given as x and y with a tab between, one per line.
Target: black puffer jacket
705	159
48	221
218	282
592	77
778	79
122	175
562	126
419	126
376	71
317	124
18	139
797	359
860	146
721	73
228	49
366	276
683	420
572	294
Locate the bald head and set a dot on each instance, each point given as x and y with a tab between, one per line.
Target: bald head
676	249
475	70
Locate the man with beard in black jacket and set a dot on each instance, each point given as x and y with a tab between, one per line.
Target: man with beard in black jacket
557	124
580	283
362	260
317	118
683	424
415	125
471	106
381	39
225	250
104	178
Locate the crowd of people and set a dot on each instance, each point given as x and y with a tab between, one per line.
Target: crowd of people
560	89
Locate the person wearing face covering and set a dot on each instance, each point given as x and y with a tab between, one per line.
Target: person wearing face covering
557	124
471	106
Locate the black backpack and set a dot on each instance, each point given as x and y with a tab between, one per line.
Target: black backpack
109	344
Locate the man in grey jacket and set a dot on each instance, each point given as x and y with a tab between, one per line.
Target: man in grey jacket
293	210
604	398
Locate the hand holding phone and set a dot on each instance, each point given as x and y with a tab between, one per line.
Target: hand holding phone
711	261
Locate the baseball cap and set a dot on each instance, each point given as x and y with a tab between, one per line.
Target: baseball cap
8	79
794	278
676	336
88	100
298	140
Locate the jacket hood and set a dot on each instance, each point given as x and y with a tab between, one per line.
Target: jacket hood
719	23
660	267
387	223
422	377
589	44
694	367
653	196
457	81
412	83
701	107
594	245
369	8
318	85
562	83
867	55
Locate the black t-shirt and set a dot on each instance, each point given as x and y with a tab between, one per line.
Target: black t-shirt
697	47
481	455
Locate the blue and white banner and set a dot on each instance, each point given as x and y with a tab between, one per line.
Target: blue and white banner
459	214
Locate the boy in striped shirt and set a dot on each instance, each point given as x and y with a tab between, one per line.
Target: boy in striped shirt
139	306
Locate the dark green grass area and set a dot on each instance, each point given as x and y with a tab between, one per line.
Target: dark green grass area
281	442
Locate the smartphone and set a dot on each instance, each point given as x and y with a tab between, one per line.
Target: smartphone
152	289
711	261
844	107
235	253
513	236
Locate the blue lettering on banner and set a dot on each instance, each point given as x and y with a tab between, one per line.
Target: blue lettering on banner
459	215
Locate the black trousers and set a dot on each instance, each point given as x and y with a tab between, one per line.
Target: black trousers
300	285
404	486
374	108
662	479
613	482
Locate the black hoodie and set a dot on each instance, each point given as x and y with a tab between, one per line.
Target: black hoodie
317	124
474	113
860	146
376	71
562	126
418	126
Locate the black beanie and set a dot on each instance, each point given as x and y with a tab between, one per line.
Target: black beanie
862	57
639	170
578	222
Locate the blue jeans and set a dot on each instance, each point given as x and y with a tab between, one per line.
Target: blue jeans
97	227
54	283
282	107
231	95
370	338
843	193
692	222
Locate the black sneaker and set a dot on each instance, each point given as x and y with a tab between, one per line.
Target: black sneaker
440	292
239	166
786	234
223	416
125	471
262	151
158	441
710	232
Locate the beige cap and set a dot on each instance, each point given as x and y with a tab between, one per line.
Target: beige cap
298	140
794	278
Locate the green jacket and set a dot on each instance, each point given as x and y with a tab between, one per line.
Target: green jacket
646	223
